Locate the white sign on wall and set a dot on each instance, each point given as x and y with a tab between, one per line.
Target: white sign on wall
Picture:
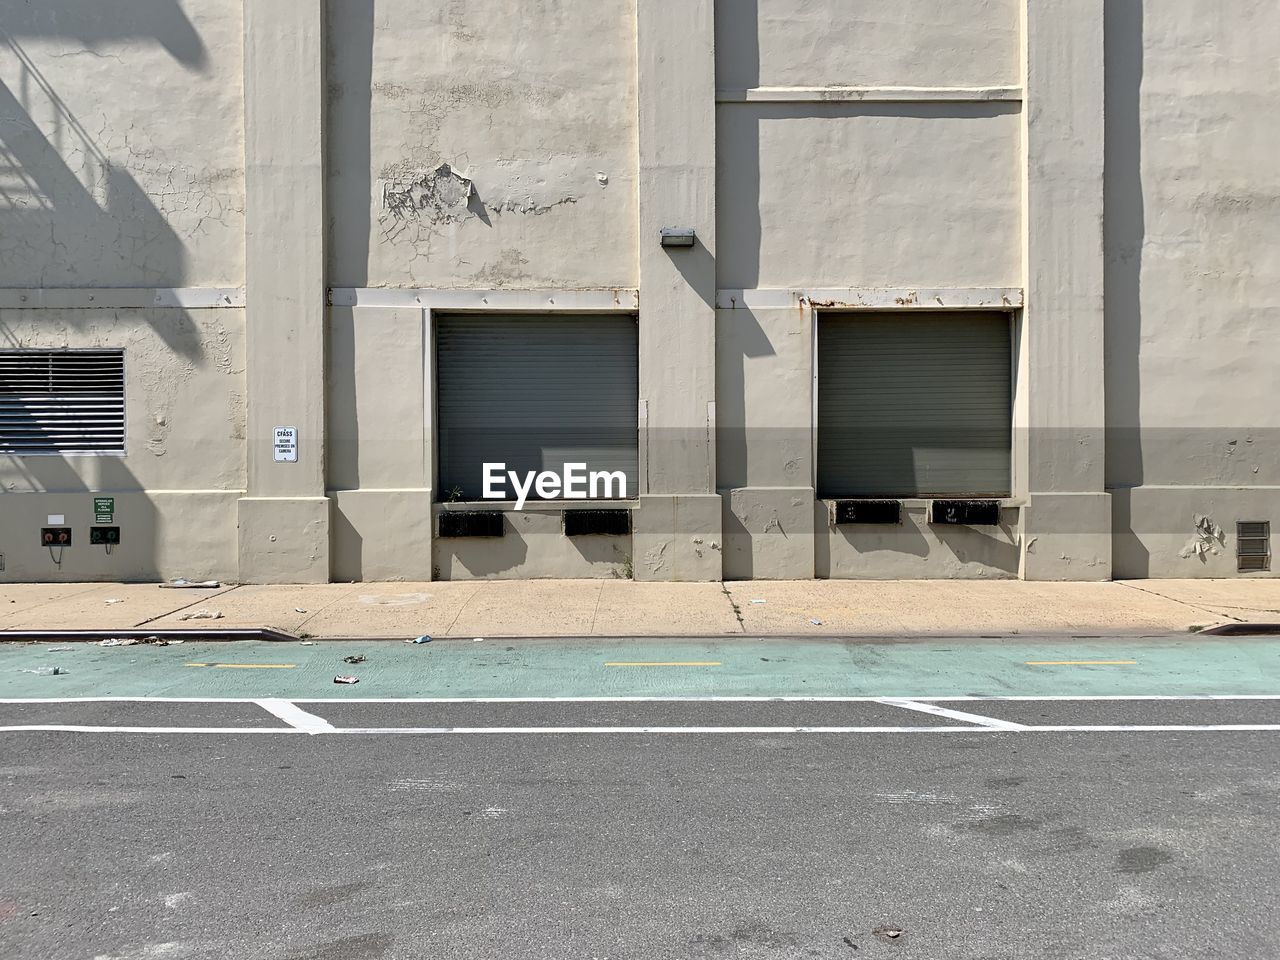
286	445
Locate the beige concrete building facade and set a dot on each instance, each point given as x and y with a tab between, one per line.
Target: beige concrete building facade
975	288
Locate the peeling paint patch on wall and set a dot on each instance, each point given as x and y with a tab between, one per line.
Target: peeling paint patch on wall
445	195
455	138
437	196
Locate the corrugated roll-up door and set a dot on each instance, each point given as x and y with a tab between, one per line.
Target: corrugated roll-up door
914	406
535	393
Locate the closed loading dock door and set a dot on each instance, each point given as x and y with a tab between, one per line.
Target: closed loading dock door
535	392
914	406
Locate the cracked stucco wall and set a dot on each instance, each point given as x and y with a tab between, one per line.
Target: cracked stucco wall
470	146
121	144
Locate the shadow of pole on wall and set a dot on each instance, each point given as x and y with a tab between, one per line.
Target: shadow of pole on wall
1124	236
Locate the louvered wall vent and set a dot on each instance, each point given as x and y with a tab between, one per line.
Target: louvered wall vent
61	401
1253	546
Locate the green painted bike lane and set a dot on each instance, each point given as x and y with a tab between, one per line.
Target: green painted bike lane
1174	666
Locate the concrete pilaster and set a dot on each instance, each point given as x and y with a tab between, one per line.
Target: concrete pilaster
677	164
284	518
1061	416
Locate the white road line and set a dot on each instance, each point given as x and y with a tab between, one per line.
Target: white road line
1190	697
523	731
951	714
1118	698
295	716
1156	728
73	728
520	731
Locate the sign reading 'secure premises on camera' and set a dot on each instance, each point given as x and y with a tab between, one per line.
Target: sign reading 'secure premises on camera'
573	483
285	445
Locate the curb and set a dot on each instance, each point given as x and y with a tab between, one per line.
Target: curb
93	636
1243	630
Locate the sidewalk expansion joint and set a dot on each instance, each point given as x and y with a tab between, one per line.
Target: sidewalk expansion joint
733	605
204	597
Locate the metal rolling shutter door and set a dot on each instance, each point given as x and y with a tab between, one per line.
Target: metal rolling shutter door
535	392
914	406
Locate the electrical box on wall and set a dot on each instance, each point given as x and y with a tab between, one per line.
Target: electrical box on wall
849	512
104	536
970	513
55	536
585	523
470	523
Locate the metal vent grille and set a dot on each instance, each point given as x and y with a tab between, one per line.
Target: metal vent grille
1253	546
61	401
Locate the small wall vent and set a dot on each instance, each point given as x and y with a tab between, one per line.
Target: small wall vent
585	523
849	512
470	523
1253	546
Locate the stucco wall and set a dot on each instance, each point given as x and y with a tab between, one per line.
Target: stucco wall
908	43
121	143
532	109
184	399
479	144
376	433
870	195
823	187
1193	275
177	484
814	193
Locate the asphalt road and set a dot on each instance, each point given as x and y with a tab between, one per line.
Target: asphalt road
991	844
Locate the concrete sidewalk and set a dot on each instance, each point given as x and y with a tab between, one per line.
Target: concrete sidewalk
621	608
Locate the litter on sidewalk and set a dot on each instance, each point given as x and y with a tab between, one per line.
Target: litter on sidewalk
114	600
182	583
46	671
132	641
342	679
353	659
201	615
422	639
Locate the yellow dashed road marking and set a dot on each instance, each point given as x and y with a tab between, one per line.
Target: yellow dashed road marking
664	663
1080	663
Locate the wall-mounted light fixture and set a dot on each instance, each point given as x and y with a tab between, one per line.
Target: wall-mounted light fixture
678	236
